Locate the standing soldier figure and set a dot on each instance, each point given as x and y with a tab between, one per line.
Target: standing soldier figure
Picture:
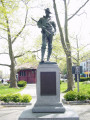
48	30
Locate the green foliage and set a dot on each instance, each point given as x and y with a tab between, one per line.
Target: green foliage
88	92
81	96
6	98
21	83
88	96
85	87
1	97
28	58
5	89
70	96
82	79
16	97
26	98
60	81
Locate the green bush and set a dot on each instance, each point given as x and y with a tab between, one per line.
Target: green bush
21	83
6	98
70	96
88	78
88	97
60	81
88	92
81	96
26	98
1	97
16	97
82	79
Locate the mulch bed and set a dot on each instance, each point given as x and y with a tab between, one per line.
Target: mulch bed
85	102
12	104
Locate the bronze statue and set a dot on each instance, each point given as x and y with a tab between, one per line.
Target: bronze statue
48	30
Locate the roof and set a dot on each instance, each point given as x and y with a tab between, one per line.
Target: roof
26	66
86	72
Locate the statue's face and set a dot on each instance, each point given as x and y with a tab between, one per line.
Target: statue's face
47	13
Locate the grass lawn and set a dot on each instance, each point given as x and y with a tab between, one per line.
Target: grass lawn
4	89
82	87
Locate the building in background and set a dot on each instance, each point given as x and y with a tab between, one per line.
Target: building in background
27	72
86	67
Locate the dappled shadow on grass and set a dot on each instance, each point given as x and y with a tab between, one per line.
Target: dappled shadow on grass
5	89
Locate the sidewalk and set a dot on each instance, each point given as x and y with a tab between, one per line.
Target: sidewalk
12	113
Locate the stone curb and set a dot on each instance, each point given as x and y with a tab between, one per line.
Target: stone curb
85	102
15	104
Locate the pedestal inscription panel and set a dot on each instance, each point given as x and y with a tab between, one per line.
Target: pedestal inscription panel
48	83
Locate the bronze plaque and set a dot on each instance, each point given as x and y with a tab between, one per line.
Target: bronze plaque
48	83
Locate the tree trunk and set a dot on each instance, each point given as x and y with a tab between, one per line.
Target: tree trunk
66	46
70	85
13	82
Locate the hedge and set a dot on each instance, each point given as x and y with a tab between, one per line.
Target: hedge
72	96
21	83
16	98
82	79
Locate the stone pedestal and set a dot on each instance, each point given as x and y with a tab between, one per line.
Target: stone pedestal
48	89
48	106
68	115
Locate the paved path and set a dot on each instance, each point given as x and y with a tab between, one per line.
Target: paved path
12	113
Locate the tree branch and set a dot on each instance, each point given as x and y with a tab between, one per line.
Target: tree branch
3	29
5	65
59	26
4	53
1	37
25	53
21	29
78	10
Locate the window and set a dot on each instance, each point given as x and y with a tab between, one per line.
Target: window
22	73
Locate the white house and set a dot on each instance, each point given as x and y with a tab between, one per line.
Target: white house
86	67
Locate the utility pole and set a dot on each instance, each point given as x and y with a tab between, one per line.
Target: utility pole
77	64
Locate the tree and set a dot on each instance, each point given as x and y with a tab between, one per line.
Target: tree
7	8
79	53
27	58
65	39
0	73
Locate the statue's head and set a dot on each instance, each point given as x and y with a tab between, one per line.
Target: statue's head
47	11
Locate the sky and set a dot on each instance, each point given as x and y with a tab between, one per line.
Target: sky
78	26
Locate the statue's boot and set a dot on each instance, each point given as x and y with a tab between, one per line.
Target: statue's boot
49	53
42	54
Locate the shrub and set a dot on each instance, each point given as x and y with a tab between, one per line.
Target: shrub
88	78
1	97
81	96
60	81
26	98
82	79
16	97
21	83
6	98
88	97
88	92
70	96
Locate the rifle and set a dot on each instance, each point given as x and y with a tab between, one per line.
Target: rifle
42	26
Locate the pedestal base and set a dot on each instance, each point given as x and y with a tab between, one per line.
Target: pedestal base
48	108
68	115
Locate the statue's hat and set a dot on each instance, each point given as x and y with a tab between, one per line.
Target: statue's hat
47	10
